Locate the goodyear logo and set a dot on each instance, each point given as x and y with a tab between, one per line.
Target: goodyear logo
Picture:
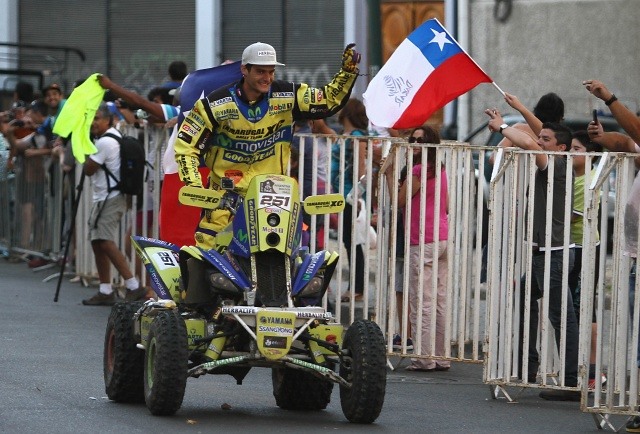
253	233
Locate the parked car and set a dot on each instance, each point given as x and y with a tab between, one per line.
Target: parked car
481	136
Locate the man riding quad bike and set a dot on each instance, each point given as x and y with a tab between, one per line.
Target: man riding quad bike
247	294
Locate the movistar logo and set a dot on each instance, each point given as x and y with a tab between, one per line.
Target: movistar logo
224	142
242	236
254	112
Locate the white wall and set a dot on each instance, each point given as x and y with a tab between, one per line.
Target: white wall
551	46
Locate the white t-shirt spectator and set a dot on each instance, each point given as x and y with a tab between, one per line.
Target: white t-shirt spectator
109	154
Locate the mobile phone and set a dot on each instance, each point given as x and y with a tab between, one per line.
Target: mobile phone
595	116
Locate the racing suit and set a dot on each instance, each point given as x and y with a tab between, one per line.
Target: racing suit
240	140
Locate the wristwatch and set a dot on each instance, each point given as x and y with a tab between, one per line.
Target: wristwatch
502	127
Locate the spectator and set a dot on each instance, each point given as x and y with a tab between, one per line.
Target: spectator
32	152
177	72
160	95
553	137
353	119
423	201
53	98
618	142
580	144
400	263
23	92
106	213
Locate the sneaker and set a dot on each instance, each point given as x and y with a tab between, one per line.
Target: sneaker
592	381
397	342
409	344
38	262
560	395
136	294
101	299
633	425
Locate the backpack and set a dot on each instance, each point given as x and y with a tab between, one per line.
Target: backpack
132	165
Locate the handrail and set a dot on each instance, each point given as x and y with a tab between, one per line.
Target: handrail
77	51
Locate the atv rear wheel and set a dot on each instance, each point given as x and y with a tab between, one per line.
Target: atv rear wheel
299	390
365	368
123	363
165	364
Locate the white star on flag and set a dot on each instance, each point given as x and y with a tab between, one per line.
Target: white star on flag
440	38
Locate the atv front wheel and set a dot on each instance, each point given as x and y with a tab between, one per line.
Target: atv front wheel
123	363
299	390
365	368
165	364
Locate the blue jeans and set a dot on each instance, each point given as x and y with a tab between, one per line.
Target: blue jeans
555	313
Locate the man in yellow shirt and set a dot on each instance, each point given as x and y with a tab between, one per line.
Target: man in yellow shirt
245	128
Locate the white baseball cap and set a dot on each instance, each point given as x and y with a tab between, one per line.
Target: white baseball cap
260	54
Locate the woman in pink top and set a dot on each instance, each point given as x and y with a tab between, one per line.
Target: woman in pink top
435	254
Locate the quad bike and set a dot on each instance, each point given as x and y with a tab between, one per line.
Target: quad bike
259	305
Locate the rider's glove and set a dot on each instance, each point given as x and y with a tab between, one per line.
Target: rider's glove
350	59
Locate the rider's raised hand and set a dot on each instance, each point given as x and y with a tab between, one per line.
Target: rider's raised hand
350	59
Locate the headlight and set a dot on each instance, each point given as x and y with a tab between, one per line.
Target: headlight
220	281
273	220
313	287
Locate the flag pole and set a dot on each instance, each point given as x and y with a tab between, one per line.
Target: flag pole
498	87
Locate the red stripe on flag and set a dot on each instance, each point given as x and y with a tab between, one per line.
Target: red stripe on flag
452	78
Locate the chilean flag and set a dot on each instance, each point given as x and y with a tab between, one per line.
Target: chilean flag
427	70
178	222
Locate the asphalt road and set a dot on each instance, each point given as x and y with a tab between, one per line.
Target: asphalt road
51	382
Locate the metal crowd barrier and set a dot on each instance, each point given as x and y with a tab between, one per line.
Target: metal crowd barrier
615	341
31	208
464	315
6	201
331	235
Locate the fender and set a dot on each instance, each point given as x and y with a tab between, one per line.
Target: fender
160	259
